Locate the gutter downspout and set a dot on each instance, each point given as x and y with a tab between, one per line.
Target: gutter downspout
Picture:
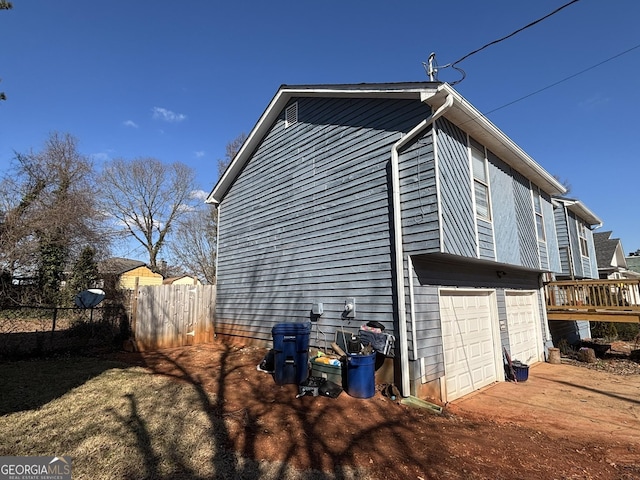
397	228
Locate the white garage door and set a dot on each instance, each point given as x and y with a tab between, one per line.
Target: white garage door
468	341
523	322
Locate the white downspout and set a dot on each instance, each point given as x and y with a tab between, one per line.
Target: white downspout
397	228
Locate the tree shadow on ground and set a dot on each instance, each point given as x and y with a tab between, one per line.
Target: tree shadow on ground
253	418
30	384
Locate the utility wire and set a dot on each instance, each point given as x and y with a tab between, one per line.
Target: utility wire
563	80
453	64
513	33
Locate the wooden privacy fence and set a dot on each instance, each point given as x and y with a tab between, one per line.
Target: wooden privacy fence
164	316
594	300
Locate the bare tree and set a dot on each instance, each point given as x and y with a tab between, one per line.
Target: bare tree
233	147
194	244
49	213
146	198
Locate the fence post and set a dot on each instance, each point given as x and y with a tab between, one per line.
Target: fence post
134	309
55	316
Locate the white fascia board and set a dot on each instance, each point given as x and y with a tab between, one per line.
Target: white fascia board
469	119
581	210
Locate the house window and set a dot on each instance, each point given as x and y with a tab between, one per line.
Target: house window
537	207
582	236
480	181
291	115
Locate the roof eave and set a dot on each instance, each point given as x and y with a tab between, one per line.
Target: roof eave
581	210
484	131
461	113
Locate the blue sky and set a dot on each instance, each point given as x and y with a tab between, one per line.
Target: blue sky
178	80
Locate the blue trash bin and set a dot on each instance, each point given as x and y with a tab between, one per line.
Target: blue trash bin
291	352
361	375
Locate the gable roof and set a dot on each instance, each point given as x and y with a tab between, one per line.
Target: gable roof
580	209
432	93
605	248
119	265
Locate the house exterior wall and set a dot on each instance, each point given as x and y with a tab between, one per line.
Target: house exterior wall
308	219
144	276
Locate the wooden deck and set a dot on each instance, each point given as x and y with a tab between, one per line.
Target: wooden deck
594	300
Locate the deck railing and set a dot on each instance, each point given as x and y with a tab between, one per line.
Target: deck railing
608	300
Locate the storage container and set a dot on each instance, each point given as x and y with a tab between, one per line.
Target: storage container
330	372
361	375
291	352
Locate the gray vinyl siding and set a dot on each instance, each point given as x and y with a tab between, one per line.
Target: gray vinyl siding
427	342
571	332
418	197
527	236
576	256
485	240
553	251
593	261
504	212
307	220
458	217
502	316
562	234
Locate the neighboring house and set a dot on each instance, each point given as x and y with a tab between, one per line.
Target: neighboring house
182	280
126	273
612	263
574	224
405	201
633	263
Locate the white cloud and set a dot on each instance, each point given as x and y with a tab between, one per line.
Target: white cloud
159	113
594	102
130	123
199	153
199	195
101	157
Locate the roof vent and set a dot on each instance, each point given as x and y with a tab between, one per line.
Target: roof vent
291	115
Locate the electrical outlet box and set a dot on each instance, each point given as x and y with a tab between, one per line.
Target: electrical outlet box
350	307
317	308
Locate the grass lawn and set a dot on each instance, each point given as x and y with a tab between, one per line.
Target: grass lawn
118	421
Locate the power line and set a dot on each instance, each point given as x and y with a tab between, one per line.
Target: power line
563	80
513	33
529	25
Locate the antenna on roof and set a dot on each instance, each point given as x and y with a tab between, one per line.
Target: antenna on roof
431	67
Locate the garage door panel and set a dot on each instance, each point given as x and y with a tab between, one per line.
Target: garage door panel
468	342
525	336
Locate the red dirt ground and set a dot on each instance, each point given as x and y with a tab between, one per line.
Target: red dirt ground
564	422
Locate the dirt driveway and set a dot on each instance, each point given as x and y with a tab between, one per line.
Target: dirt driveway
565	422
568	402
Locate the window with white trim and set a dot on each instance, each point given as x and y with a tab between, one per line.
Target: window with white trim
480	181
537	207
582	237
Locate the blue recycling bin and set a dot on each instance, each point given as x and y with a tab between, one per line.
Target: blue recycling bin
361	375
291	352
